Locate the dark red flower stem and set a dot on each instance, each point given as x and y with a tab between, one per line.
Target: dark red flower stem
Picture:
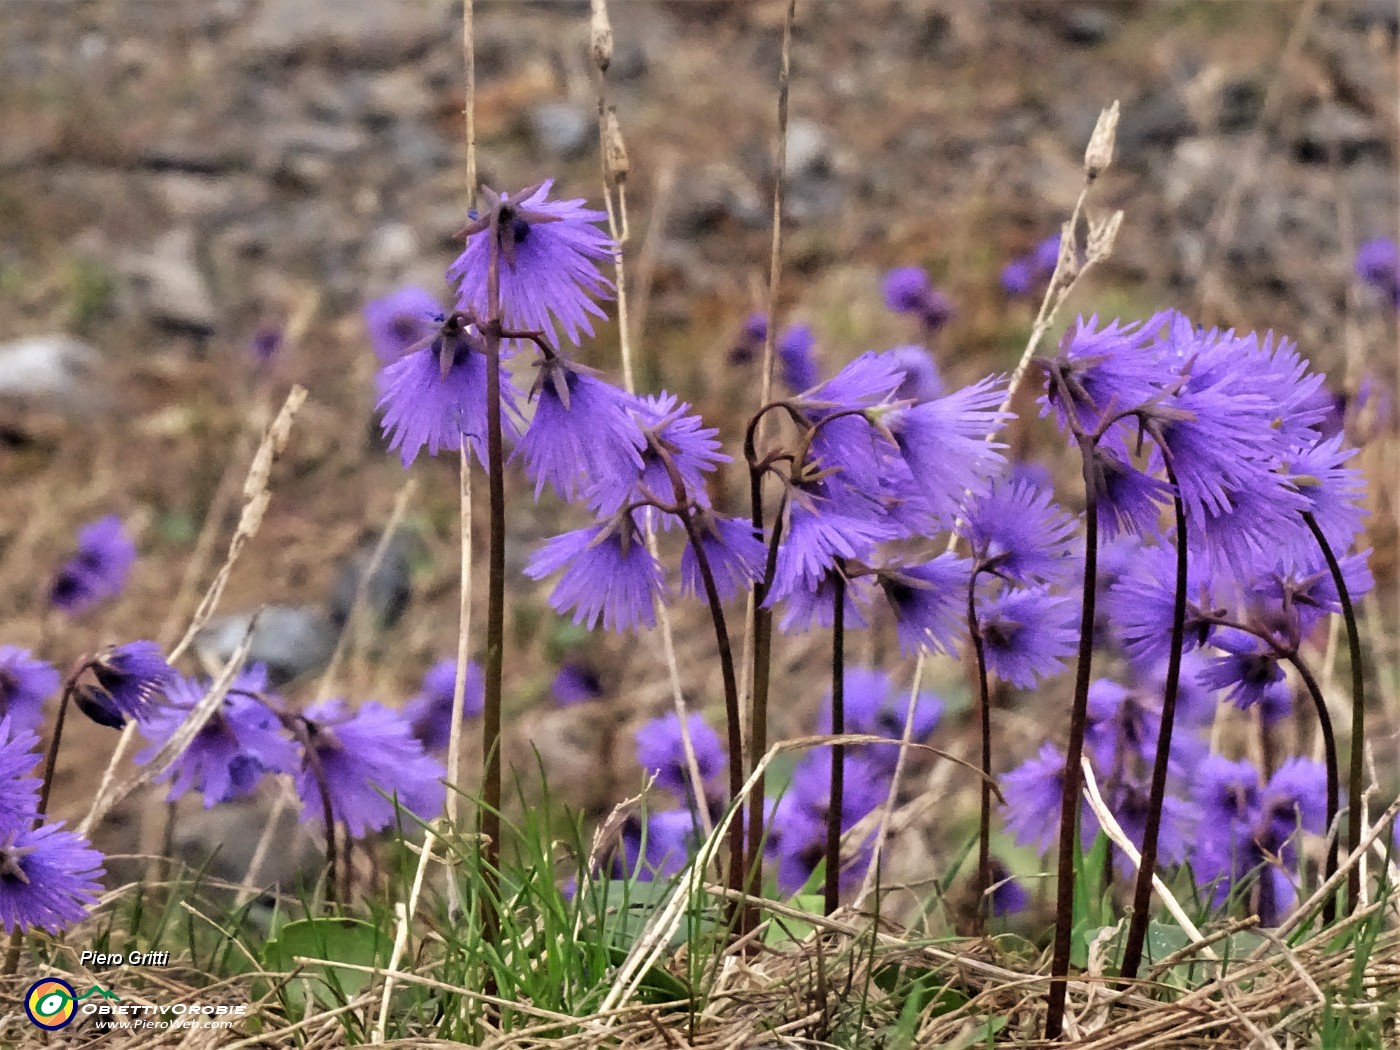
1074	775
1142	889
495	592
983	877
758	694
51	755
837	795
1329	746
303	730
727	672
1356	770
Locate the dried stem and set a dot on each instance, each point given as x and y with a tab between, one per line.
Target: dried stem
837	794
1142	891
459	682
1073	778
1356	768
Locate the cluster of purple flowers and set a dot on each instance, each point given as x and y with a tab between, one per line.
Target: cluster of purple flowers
1024	274
908	290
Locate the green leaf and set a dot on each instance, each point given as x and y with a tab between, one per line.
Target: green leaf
331	939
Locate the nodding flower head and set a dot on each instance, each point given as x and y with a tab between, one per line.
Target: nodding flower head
928	601
19	791
661	753
574	683
97	570
1027	633
1378	264
1016	531
672	437
608	574
434	396
363	760
130	679
546	257
797	364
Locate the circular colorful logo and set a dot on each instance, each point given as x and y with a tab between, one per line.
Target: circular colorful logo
51	1004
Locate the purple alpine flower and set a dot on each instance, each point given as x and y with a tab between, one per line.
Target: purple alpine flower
666	426
875	706
49	878
608	574
266	341
929	602
1301	592
1247	672
97	570
661	752
241	742
435	396
1027	633
944	441
430	711
1139	603
1017	532
1378	264
582	429
368	758
818	534
1009	895
575	683
1332	491
658	848
548	262
1102	371
750	342
130	679
1018	277
794	351
25	683
816	605
401	320
1129	501
1033	793
735	557
905	289
19	791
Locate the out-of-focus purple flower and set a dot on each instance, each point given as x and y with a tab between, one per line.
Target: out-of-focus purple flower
797	364
25	683
1009	895
574	683
736	559
929	602
1027	633
1033	793
1378	264
19	791
1332	491
266	341
582	429
865	786
368	758
944	442
131	678
750	341
608	574
921	380
97	570
661	752
1016	531
399	321
242	741
430	711
907	290
658	849
875	706
1300	593
436	396
1139	604
49	878
548	269
1020	276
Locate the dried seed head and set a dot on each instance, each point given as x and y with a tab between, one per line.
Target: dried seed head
602	36
614	149
1102	234
1099	155
1067	265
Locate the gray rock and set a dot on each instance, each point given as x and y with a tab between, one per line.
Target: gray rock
54	373
221	841
388	591
808	149
561	129
1157	120
378	32
169	287
392	246
707	198
291	640
1086	25
1333	129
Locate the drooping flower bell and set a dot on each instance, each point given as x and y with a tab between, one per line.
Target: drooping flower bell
98	569
547	254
